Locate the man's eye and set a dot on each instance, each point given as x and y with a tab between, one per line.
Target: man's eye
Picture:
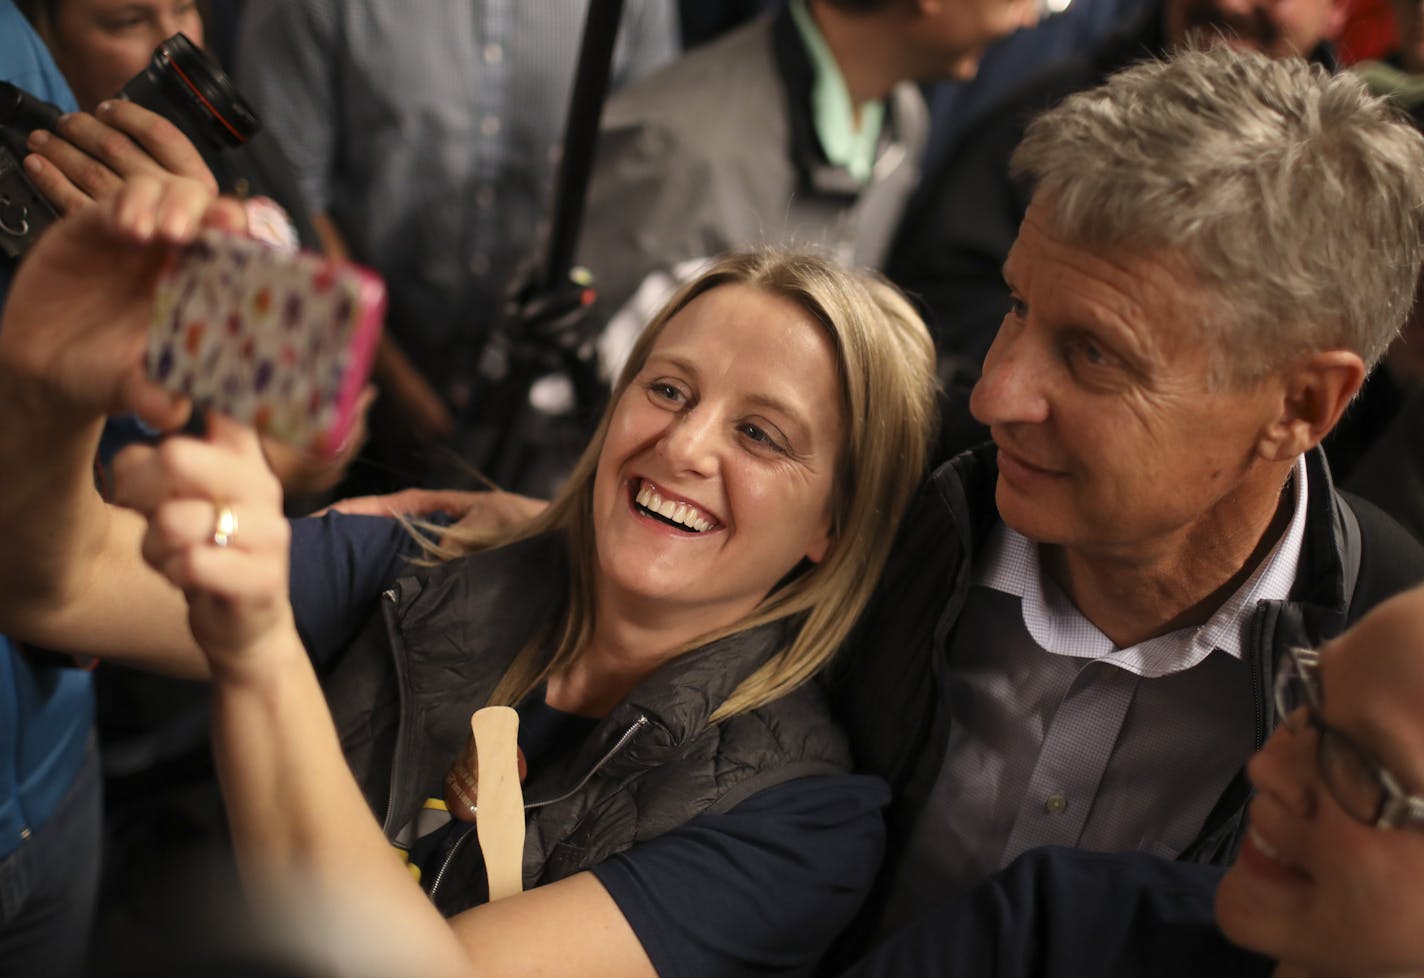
1092	352
1017	307
1087	352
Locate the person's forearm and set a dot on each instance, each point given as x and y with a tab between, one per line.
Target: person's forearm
296	813
51	517
73	579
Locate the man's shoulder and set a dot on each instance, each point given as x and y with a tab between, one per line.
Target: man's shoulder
1391	559
999	128
722	79
26	63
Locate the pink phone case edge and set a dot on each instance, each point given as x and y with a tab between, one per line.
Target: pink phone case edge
371	301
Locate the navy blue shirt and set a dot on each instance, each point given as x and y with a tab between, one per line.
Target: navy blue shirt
761	889
1069	913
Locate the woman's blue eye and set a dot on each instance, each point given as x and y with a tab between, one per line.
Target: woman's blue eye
666	392
760	436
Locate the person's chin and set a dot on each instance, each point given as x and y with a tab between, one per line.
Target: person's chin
1255	911
1240	915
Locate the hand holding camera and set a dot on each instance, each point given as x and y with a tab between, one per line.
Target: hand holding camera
178	116
88	157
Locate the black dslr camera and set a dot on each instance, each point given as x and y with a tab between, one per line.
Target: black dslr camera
181	83
23	212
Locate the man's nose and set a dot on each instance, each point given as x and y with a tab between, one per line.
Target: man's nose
1011	384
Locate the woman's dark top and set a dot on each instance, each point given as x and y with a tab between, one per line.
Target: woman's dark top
760	889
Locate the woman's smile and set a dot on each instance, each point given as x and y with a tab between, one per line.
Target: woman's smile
662	506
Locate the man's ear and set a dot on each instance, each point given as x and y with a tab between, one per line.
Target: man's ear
1315	390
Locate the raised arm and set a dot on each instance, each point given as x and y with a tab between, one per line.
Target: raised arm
71	348
295	810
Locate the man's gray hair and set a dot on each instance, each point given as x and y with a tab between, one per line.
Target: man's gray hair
1295	195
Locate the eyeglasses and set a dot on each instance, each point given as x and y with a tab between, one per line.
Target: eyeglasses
1364	789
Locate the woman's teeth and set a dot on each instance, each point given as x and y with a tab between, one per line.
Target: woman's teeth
685	516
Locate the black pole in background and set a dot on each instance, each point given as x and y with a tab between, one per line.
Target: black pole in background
595	64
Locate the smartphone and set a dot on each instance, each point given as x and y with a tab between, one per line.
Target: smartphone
283	341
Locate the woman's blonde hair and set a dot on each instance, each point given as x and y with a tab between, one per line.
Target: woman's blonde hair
887	381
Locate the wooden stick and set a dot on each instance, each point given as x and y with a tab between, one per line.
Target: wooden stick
499	819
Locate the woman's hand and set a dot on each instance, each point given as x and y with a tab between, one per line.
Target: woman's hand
76	320
216	531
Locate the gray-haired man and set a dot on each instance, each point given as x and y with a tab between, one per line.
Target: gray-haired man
1075	640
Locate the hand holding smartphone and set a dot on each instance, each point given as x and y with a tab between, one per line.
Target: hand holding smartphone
281	341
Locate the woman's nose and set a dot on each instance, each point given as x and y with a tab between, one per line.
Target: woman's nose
690	441
1285	769
1010	387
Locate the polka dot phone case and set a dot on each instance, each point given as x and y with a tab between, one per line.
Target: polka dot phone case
281	341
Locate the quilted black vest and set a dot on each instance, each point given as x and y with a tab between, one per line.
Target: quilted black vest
403	692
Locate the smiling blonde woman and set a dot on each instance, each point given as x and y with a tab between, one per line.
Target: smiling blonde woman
688	804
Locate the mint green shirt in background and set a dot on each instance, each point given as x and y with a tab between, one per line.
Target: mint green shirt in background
843	141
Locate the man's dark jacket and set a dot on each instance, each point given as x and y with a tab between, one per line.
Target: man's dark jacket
886	687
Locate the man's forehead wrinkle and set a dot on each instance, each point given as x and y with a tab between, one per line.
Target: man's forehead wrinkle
1110	287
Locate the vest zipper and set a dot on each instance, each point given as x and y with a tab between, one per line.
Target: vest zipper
389	598
637	727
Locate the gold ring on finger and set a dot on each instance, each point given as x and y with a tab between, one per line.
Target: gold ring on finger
224	526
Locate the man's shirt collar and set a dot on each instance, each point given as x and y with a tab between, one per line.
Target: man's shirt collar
1010	563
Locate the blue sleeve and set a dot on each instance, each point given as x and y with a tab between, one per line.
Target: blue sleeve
1068	913
340	565
25	61
762	889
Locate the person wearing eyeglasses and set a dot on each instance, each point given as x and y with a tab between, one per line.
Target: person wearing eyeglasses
1329	879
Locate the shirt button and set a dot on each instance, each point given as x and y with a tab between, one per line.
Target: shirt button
480	265
1055	804
493	53
489	125
484	197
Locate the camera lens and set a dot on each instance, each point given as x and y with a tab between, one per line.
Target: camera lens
184	85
